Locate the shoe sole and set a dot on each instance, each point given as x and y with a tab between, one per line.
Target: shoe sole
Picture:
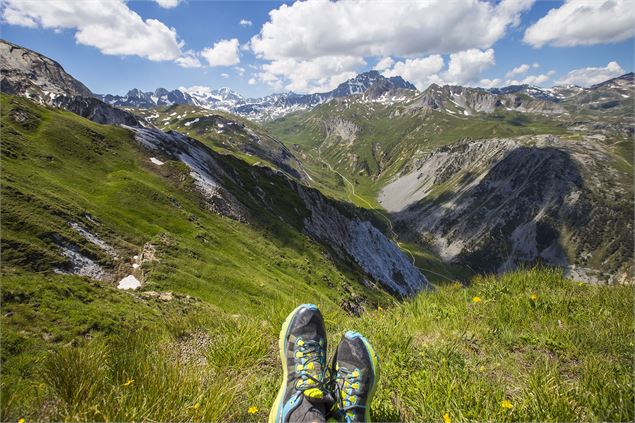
376	368
274	414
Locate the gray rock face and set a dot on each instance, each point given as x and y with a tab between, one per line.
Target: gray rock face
499	203
95	110
32	75
353	239
40	79
361	242
467	101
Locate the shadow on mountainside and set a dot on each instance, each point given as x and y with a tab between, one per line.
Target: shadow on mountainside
531	206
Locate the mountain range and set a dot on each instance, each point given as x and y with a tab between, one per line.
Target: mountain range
267	107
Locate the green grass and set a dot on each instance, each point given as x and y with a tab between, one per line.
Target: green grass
76	349
565	356
386	142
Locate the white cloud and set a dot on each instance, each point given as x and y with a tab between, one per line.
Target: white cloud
531	79
110	26
222	53
584	22
252	81
421	72
309	31
466	66
168	4
316	75
315	28
240	71
188	60
535	65
384	64
224	75
589	76
245	22
490	83
519	70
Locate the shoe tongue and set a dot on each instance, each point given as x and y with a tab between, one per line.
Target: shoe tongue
318	396
309	410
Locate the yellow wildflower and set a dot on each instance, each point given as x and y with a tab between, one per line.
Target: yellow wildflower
21	420
446	418
476	299
481	369
506	404
195	406
380	308
533	297
580	283
129	382
252	410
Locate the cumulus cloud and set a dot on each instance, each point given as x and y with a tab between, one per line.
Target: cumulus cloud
519	70
532	79
490	83
466	66
421	72
224	75
222	53
588	76
584	22
240	71
168	4
252	81
188	60
245	22
306	32
110	26
384	63
315	75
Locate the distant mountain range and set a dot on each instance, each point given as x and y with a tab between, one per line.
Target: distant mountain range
369	86
270	106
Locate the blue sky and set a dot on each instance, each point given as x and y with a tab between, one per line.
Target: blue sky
314	46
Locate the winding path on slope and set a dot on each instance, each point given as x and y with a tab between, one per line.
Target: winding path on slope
393	235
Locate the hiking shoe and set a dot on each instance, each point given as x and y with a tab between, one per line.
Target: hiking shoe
356	372
303	395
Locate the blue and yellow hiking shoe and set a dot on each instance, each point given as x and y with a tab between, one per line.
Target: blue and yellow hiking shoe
356	373
303	395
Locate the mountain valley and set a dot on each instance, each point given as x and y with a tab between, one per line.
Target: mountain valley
152	244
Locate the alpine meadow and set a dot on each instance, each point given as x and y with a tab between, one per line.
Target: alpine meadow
336	211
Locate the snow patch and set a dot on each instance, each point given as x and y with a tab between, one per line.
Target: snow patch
156	161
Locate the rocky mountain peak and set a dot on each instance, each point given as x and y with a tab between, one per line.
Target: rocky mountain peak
30	74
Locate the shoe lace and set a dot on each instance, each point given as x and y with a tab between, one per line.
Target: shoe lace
310	361
347	389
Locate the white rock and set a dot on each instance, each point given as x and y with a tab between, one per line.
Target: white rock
129	282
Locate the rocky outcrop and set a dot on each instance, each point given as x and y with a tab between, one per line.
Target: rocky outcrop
32	75
342	129
353	238
498	203
362	243
95	110
40	79
467	101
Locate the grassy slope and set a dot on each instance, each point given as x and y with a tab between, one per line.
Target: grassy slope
565	356
398	136
76	349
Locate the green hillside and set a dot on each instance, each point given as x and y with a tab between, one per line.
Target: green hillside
198	341
387	138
